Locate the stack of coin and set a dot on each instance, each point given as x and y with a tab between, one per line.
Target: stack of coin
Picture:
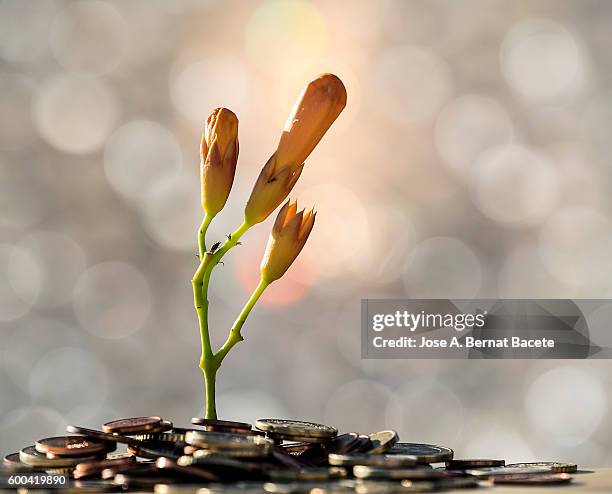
277	456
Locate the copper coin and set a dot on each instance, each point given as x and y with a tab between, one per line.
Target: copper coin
104	436
164	426
71	446
132	425
298	448
90	469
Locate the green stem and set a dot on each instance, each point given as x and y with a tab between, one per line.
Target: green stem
234	336
201	279
202	235
210	377
231	242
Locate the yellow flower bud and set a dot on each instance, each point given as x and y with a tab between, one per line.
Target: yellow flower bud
289	234
315	110
218	158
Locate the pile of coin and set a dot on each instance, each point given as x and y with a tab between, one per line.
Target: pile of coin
277	456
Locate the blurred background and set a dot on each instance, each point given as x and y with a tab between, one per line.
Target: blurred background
472	160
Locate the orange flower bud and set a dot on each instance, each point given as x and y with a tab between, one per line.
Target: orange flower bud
315	110
289	234
218	158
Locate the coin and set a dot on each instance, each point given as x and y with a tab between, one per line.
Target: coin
444	484
306	474
382	441
186	470
538	478
72	446
296	428
473	463
363	445
555	467
104	436
12	460
214	425
164	437
306	487
252	487
507	470
154	450
425	453
222	440
90	487
343	443
299	447
387	461
132	425
90	469
367	472
31	456
177	488
279	438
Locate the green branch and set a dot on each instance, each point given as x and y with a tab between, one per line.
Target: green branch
234	336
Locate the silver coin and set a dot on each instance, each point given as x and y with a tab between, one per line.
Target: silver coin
223	440
555	467
252	487
30	456
391	487
177	488
387	461
382	441
445	484
307	487
507	470
247	452
306	474
425	453
296	428
473	463
366	472
534	479
279	438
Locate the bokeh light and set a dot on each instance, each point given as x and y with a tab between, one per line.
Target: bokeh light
89	36
15	100
542	61
556	414
442	267
282	31
472	160
112	300
19	282
468	126
139	155
409	84
75	114
227	84
575	246
60	261
515	185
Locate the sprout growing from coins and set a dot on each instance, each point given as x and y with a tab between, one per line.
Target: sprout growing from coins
315	110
